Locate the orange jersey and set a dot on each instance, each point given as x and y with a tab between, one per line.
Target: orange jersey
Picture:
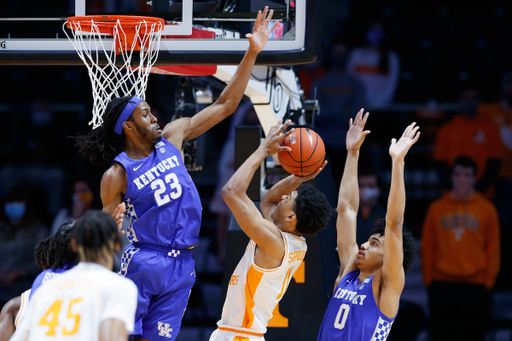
253	292
477	138
461	241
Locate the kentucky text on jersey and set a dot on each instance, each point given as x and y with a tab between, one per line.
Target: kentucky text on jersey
155	172
350	296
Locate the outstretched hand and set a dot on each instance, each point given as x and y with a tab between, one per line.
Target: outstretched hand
118	216
272	143
356	132
259	36
399	149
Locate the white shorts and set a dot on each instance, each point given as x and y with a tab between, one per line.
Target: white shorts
223	335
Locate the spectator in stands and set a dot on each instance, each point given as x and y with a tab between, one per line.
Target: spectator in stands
81	203
19	235
370	211
501	113
339	96
460	258
376	66
471	135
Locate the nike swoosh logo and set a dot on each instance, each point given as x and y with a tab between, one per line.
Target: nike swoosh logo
135	168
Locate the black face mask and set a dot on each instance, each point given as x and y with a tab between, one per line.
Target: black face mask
339	62
468	108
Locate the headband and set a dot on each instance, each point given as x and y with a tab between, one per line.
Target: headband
125	114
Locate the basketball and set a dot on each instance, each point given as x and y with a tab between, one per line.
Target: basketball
307	154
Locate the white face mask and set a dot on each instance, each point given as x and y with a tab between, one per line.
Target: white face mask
368	194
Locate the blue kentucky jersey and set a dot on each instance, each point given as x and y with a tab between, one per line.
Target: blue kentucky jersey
162	202
352	314
47	276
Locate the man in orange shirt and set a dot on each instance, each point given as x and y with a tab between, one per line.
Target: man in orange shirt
460	257
468	134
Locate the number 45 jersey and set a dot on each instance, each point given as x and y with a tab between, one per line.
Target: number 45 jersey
352	314
73	306
162	202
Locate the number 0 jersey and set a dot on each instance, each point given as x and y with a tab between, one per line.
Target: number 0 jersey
352	314
253	292
73	306
162	202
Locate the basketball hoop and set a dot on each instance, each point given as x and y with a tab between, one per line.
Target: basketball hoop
118	77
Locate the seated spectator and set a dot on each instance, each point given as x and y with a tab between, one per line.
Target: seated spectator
376	66
339	97
81	203
460	258
370	211
471	135
19	235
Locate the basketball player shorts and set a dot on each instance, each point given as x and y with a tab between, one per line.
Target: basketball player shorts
224	335
164	278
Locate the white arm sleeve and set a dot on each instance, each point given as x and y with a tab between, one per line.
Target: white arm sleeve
119	298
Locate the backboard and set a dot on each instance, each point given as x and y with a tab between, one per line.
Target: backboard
196	32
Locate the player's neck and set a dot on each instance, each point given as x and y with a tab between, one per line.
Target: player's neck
365	274
138	149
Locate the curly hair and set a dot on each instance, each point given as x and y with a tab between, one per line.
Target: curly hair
102	144
55	252
312	209
409	245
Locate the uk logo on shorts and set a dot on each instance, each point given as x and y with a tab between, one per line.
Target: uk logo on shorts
164	329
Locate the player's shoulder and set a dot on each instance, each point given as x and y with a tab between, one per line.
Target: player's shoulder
116	174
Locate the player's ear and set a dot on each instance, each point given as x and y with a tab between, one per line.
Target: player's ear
117	245
127	125
292	217
73	245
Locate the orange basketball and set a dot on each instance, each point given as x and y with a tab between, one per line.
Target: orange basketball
307	154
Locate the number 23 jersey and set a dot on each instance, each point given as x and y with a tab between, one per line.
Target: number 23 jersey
352	314
162	202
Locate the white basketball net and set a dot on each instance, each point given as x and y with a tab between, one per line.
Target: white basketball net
111	80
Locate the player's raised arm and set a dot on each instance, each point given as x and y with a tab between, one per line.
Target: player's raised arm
284	187
348	200
264	233
392	270
230	97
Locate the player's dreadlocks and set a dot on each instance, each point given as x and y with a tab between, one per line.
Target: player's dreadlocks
55	252
42	253
96	235
102	144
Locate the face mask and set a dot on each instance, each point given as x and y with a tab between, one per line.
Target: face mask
339	62
368	193
15	210
86	197
375	37
468	108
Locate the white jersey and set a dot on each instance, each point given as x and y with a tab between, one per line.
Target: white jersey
73	306
253	292
23	307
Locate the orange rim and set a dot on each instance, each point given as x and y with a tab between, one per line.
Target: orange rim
109	21
130	25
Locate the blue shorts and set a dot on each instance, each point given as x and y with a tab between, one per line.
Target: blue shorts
164	278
